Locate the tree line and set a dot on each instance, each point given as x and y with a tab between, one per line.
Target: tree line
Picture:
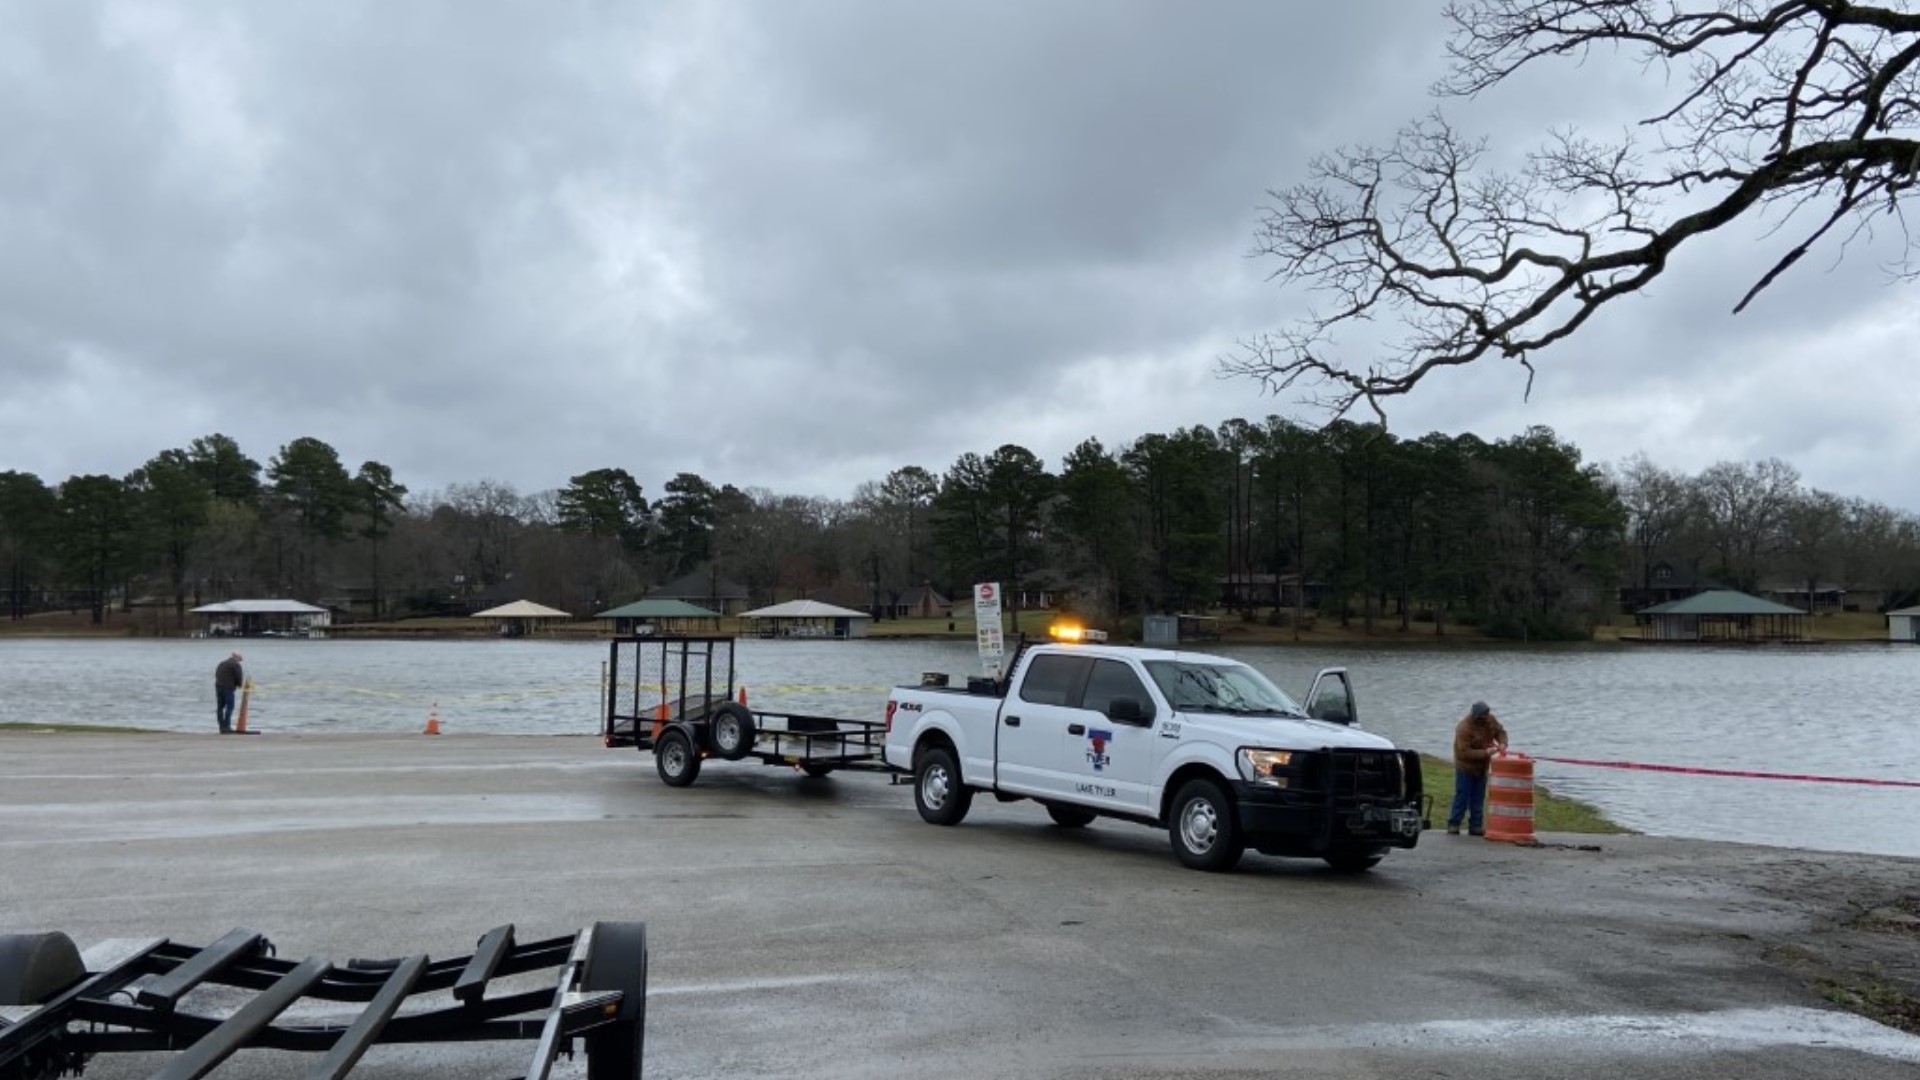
1518	536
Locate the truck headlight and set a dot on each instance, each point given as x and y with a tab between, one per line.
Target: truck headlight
1268	768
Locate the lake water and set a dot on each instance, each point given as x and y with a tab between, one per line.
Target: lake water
1841	710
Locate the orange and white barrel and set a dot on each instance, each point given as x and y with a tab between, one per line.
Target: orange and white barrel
1510	799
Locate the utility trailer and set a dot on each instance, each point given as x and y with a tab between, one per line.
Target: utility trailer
60	1008
676	696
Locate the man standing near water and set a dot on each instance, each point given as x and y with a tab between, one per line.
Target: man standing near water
1476	739
226	681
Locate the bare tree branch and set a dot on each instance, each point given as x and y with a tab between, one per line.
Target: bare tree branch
1789	108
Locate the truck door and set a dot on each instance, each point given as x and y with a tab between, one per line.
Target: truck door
1331	697
1033	723
1110	750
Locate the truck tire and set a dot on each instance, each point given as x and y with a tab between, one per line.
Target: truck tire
617	960
676	759
1205	834
1354	860
937	791
35	967
731	730
1071	817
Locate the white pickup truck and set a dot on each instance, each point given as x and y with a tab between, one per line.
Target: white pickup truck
1203	746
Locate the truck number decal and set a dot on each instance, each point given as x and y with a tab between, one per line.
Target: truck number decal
1170	729
1095	789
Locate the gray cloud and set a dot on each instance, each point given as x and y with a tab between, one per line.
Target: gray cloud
786	245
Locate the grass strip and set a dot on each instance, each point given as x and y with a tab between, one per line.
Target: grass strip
1551	813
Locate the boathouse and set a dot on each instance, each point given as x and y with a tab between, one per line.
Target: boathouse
523	617
266	618
1722	615
1904	625
662	617
806	618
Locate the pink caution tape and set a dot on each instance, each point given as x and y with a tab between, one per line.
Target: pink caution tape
1642	766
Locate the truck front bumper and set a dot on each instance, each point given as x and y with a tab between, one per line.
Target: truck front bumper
1287	823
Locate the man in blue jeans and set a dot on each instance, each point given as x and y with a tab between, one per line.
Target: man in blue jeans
226	681
1476	739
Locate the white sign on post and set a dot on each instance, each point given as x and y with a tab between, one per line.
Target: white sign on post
986	625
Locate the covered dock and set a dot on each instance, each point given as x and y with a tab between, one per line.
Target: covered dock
523	617
806	618
662	617
1722	615
265	618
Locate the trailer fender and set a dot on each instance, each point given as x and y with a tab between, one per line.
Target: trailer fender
617	960
35	967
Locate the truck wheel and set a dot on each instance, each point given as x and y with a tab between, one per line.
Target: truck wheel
731	729
1354	860
1205	834
617	960
937	791
676	759
1071	817
35	967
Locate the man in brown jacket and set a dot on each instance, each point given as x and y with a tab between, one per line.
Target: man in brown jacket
1476	739
227	678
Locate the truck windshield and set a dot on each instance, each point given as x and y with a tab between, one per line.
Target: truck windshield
1221	688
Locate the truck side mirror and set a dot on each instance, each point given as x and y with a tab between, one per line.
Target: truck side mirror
1126	710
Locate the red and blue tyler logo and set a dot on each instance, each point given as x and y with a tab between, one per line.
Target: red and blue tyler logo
1097	741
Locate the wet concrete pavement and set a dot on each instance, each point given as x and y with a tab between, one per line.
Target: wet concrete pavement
816	928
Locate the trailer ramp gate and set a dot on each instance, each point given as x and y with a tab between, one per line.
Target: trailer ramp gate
129	999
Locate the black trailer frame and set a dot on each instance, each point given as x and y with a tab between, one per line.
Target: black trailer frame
665	694
128	999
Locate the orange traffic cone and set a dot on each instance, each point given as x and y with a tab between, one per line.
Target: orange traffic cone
433	720
743	695
659	720
240	721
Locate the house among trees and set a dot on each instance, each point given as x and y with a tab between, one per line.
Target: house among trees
1662	583
705	588
1824	596
1722	615
1255	590
920	602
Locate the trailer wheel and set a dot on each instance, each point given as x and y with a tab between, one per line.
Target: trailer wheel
1205	834
1354	860
676	759
35	967
617	960
937	791
730	728
1071	817
815	769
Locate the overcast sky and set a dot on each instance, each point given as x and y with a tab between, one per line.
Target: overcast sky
788	244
